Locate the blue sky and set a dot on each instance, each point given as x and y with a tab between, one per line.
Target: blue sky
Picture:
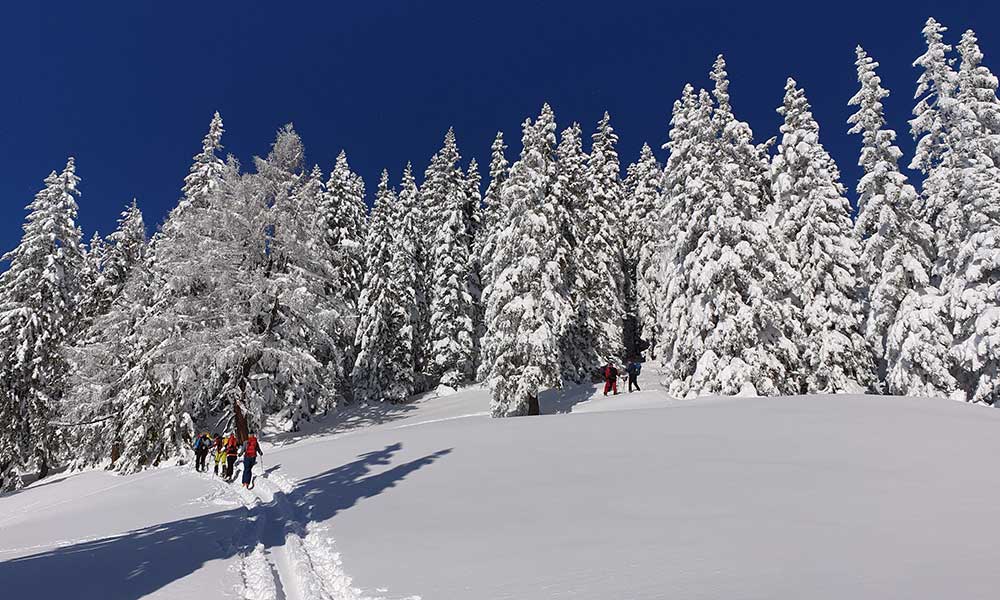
128	88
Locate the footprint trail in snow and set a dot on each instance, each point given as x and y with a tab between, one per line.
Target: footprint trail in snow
283	556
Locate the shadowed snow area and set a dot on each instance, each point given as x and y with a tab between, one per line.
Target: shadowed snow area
800	498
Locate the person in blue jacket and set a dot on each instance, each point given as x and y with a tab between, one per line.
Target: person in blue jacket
633	370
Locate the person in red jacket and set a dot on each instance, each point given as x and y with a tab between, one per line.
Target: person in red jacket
251	450
610	379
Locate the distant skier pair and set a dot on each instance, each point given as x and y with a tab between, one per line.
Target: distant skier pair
226	451
611	377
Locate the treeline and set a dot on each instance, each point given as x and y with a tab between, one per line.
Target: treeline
273	295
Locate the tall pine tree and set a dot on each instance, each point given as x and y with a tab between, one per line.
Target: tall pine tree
896	244
814	221
40	298
526	301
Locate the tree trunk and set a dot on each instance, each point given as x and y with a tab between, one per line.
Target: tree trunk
242	432
533	405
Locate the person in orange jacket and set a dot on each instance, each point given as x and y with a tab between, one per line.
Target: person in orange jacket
232	453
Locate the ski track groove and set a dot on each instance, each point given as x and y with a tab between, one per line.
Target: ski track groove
304	566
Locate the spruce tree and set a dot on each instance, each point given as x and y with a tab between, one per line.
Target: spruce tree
412	207
493	209
974	287
814	220
738	328
920	340
935	86
571	188
94	286
526	301
598	253
642	194
896	244
41	295
125	248
384	369
343	214
452	307
682	223
203	175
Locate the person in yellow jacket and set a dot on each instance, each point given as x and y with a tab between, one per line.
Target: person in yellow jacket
220	454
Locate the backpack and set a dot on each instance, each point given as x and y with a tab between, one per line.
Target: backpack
199	443
251	450
231	445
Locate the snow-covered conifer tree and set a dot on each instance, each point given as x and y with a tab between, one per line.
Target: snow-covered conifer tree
974	286
203	175
474	216
935	85
659	264
492	210
417	260
896	245
814	220
343	214
737	338
384	368
571	187
642	193
41	295
452	308
684	188
526	301
598	253
94	288
444	182
125	248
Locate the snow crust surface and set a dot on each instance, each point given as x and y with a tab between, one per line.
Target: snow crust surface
629	496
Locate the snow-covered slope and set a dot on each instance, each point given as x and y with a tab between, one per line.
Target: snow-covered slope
808	497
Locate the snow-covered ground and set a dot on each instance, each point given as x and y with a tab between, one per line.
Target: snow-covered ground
633	496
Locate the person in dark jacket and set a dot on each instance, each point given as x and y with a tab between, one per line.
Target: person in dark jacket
202	444
633	370
610	379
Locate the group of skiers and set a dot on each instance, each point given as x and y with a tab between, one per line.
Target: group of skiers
610	373
225	452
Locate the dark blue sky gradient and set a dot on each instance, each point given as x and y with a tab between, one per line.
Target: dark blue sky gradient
128	88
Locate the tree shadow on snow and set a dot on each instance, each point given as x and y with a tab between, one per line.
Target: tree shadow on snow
346	419
143	561
557	401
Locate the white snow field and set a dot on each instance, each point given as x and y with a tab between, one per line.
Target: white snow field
634	496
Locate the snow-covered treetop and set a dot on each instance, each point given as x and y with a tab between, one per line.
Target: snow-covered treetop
50	247
723	110
204	174
934	86
796	110
131	227
869	119
286	158
978	88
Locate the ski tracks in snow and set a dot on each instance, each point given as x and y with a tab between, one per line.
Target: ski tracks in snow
283	556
